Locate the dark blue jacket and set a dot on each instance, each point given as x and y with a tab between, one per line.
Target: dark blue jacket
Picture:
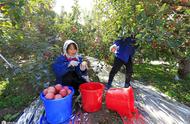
60	68
126	48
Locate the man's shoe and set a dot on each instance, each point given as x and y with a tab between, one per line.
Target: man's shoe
127	85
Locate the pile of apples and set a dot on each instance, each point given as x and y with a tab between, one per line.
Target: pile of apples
56	92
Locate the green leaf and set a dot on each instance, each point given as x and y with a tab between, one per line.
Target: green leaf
187	11
163	8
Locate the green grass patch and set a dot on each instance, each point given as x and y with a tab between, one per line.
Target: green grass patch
14	97
2	86
162	78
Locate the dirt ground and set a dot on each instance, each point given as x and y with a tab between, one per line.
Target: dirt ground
103	116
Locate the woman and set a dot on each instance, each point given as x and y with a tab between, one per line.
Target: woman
69	68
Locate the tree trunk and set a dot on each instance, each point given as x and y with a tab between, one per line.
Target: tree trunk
184	68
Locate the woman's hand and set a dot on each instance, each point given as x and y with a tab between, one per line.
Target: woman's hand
113	48
83	66
86	78
73	63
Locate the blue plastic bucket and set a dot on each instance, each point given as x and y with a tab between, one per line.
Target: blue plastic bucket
58	110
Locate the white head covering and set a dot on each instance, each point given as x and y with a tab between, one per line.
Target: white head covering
66	44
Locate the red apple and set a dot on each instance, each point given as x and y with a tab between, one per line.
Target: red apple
69	91
66	87
45	91
51	89
184	1
63	92
58	96
47	54
58	87
74	29
49	95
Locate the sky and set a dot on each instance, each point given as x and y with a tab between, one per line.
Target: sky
84	5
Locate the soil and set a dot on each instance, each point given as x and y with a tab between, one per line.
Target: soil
102	116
